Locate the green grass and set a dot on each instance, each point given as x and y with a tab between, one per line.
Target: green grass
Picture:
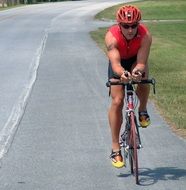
167	63
167	57
152	9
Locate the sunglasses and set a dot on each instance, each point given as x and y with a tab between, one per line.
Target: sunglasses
126	26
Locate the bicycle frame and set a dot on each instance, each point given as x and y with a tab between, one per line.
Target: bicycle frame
133	141
130	138
130	111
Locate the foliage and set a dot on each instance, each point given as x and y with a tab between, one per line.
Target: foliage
10	3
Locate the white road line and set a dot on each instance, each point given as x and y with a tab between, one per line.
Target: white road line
8	132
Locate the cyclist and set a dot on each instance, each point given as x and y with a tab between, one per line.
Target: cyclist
128	46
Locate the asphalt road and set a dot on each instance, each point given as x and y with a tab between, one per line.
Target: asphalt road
54	108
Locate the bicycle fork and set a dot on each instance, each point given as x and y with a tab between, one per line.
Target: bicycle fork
124	138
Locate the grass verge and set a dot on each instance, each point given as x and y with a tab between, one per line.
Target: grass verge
167	57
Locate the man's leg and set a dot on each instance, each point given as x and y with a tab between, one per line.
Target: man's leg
142	92
115	115
115	121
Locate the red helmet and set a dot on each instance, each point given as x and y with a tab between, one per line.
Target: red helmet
128	14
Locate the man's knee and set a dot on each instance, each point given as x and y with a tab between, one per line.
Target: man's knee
117	102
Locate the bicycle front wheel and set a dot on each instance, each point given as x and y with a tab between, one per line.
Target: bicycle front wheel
133	152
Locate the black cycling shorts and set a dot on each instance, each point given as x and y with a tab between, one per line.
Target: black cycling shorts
125	63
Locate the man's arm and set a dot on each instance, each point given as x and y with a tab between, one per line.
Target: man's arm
113	53
143	52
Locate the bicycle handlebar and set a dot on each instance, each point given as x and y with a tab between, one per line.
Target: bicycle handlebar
147	81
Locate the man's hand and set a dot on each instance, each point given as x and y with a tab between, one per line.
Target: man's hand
125	77
136	75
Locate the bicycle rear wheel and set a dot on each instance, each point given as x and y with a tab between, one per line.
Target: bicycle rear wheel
133	151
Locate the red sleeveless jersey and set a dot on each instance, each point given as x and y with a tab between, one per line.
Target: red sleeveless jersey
128	49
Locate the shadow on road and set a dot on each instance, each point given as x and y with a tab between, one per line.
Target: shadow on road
149	176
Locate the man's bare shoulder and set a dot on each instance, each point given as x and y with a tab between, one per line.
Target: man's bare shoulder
110	41
147	39
148	36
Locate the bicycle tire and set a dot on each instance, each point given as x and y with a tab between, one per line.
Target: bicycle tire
133	157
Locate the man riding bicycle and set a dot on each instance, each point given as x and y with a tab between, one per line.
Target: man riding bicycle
128	46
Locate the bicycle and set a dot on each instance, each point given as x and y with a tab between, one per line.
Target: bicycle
130	139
